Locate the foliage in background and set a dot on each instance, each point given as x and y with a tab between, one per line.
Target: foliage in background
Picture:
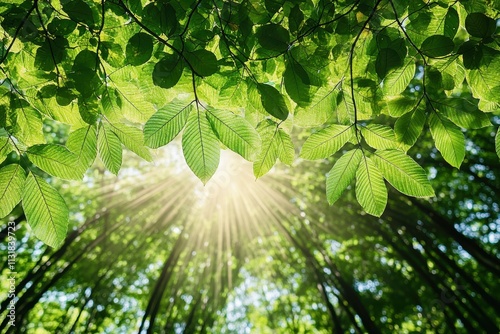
367	76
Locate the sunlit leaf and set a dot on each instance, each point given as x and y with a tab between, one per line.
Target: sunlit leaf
29	126
83	143
326	142
235	132
409	127
286	150
11	186
379	136
110	149
371	192
200	146
45	210
268	132
56	160
397	80
132	138
342	174
166	123
5	148
448	138
403	173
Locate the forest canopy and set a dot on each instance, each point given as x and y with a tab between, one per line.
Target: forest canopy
365	78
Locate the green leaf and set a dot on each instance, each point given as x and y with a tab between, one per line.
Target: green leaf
342	174
409	127
400	105
319	111
268	132
379	136
139	49
29	126
203	62
272	101
403	173
166	123
326	142
480	25
462	112
297	82
168	71
5	148
83	143
448	138
295	18
45	210
371	192
451	23
110	149
79	11
273	37
387	59
200	147
497	142
397	80
235	132
56	160
437	46
286	150
132	138
11	187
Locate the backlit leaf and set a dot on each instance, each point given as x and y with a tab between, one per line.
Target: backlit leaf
371	192
83	143
409	127
397	80
235	132
45	210
448	138
132	138
166	123
110	149
403	173
11	187
56	160
326	142
268	132
379	136
286	150
200	146
497	142
342	174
